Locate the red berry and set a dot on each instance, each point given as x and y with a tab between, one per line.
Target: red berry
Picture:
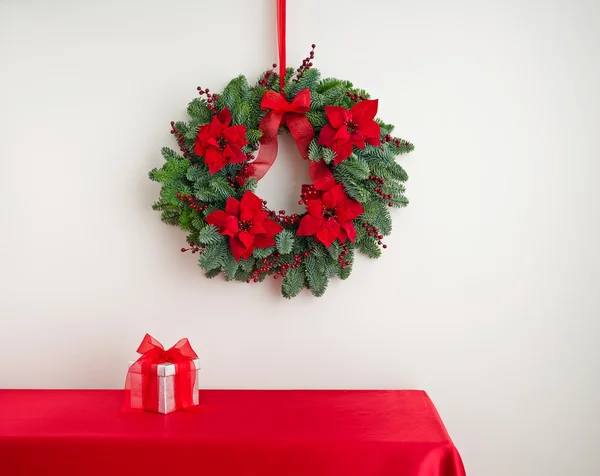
347	263
385	246
313	45
390	204
182	250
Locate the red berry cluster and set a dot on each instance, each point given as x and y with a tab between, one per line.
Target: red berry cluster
379	190
355	96
250	155
398	142
281	216
342	258
244	174
374	232
272	263
211	99
309	192
270	75
180	140
232	180
193	202
193	248
306	63
284	219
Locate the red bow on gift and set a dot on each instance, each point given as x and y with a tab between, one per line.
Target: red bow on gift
153	353
282	112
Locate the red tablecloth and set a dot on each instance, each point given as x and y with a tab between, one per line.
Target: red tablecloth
235	432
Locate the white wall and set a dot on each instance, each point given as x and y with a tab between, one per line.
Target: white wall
487	296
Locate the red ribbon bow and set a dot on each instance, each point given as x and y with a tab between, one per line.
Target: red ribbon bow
282	112
144	394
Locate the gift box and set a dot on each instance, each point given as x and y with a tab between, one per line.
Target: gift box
163	381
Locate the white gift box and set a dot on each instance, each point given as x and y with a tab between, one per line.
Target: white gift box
161	398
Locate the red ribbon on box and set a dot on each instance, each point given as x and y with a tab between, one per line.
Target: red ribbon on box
145	396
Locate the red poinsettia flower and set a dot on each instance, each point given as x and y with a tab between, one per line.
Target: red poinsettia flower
330	215
246	224
348	128
221	143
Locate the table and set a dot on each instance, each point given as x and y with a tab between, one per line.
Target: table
232	432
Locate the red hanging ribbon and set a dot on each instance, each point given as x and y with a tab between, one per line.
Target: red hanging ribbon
282	112
281	41
144	392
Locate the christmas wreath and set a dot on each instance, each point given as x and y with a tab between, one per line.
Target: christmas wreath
228	144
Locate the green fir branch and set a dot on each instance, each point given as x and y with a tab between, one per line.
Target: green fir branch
293	283
214	256
213	273
314	271
209	235
285	242
198	111
261	253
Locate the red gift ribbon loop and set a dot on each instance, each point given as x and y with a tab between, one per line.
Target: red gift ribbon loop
282	112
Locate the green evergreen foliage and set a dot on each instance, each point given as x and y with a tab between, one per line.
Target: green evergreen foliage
214	256
314	269
261	253
230	267
212	273
366	244
199	112
236	93
209	235
300	262
328	155
285	242
353	168
293	283
316	118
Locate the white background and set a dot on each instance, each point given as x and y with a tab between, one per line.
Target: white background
487	296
